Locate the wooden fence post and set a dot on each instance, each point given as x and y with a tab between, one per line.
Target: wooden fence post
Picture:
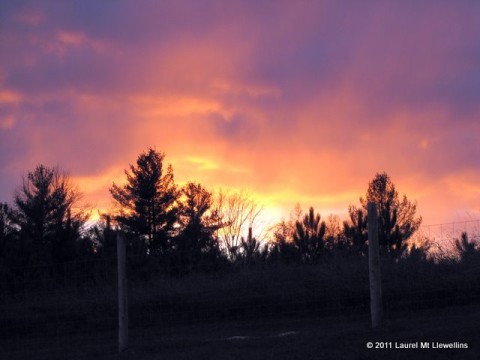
122	294
376	307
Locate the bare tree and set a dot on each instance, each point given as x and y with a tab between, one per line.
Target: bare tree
238	211
283	231
334	239
333	229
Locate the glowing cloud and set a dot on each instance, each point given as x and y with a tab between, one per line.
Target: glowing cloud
297	101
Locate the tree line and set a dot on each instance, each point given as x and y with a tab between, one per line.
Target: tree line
185	229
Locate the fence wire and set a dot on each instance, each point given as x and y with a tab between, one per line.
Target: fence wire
69	310
447	233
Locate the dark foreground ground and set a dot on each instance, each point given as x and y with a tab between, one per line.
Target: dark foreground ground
338	337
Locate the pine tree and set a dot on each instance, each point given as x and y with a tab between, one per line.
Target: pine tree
9	246
148	202
355	229
309	236
467	250
397	220
199	222
46	215
7	230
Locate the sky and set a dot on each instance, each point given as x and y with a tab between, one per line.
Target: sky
295	101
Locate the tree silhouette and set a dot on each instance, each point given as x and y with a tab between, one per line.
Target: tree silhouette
148	202
45	213
466	249
335	240
282	248
397	220
355	230
6	226
9	249
419	251
238	211
309	236
104	237
251	251
198	225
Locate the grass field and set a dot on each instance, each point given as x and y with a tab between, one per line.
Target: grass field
286	312
337	337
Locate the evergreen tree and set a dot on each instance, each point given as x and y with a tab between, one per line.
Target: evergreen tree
397	220
104	237
309	236
467	250
7	228
355	229
148	202
46	217
197	241
9	250
251	251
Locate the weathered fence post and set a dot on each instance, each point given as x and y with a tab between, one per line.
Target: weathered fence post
376	307
122	294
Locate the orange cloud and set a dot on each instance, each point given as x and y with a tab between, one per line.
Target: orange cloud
7	123
299	103
8	96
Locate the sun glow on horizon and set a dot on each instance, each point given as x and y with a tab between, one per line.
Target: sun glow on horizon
303	104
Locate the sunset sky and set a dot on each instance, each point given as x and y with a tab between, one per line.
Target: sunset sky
296	101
